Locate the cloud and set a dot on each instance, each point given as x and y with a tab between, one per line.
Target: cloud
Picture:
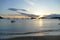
14	9
30	2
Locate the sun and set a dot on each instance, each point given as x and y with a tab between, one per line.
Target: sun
37	13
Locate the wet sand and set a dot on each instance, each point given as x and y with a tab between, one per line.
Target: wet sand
36	38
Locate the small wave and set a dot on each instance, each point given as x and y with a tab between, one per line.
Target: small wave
29	32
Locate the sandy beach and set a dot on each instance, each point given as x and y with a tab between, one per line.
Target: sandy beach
36	38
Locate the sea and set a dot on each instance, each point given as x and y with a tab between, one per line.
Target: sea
10	28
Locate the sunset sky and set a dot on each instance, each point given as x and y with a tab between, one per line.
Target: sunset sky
38	7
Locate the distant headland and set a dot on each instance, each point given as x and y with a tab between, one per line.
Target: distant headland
1	17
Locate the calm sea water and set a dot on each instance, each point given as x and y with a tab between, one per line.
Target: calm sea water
28	27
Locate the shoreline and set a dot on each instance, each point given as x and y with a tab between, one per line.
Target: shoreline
36	38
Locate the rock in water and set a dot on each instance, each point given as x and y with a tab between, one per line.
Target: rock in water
12	21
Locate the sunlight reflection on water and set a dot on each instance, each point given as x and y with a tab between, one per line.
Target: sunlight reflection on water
28	27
